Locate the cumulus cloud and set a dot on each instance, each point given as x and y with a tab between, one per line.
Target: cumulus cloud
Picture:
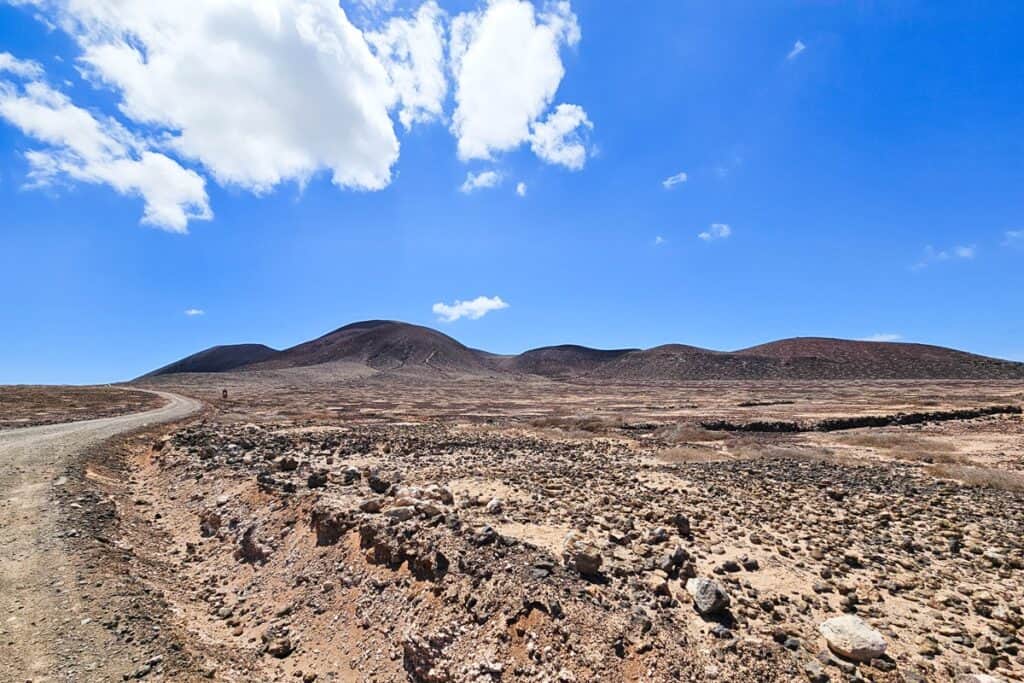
559	138
933	255
673	180
412	51
193	312
258	93
474	309
479	181
521	189
79	146
717	231
507	67
255	94
884	337
376	6
798	47
24	68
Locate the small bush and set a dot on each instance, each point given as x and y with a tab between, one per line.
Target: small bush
985	477
687	432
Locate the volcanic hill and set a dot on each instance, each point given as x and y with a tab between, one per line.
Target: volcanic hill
385	345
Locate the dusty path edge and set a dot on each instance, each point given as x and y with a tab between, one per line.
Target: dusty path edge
42	563
165	413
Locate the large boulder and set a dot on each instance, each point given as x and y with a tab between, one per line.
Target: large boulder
851	638
709	597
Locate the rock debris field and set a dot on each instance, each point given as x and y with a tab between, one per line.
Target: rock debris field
435	552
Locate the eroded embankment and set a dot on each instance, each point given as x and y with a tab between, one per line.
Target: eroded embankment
839	423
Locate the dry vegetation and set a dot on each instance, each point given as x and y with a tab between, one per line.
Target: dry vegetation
986	477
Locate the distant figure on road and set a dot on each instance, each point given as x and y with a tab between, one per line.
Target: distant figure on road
224	394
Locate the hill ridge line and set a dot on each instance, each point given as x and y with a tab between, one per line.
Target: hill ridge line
392	346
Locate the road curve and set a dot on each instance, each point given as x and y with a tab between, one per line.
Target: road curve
101	428
42	634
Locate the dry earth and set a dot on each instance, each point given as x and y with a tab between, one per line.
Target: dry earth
28	405
45	632
390	528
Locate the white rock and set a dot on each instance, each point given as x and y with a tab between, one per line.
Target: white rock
849	637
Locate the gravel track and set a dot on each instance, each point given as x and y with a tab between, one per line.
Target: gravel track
42	636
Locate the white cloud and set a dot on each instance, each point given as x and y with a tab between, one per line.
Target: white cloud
659	241
376	6
673	180
479	181
559	138
84	148
1013	237
884	337
798	47
521	189
24	68
506	63
412	51
717	231
193	312
475	309
933	255
257	92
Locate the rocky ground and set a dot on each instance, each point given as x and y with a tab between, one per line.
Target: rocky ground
442	550
27	406
400	530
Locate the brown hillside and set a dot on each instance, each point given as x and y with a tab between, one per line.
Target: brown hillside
814	358
560	361
218	359
382	345
390	345
680	362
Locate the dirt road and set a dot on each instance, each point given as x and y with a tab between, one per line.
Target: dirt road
43	634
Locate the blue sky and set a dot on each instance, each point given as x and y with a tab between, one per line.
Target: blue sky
865	156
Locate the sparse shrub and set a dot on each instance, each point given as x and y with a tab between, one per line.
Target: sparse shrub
987	477
575	425
687	432
908	446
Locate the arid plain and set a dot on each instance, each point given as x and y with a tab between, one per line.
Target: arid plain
380	526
